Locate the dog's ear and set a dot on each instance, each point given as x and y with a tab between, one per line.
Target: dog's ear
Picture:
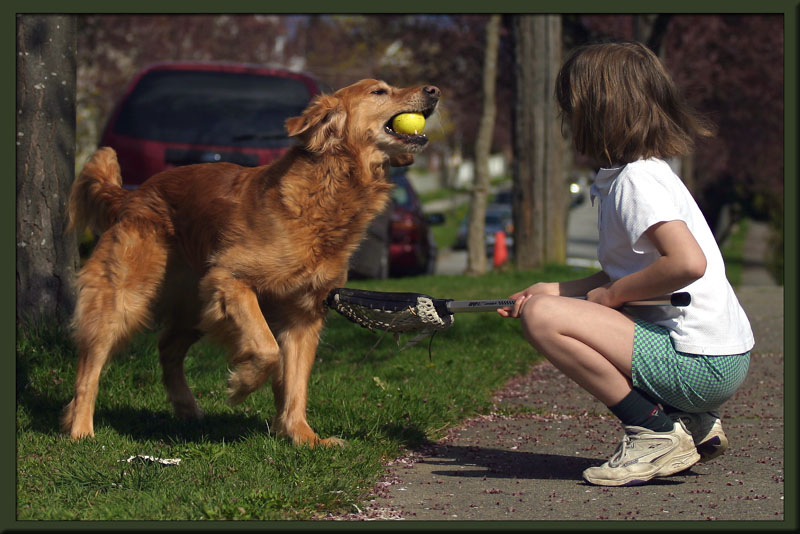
402	160
321	126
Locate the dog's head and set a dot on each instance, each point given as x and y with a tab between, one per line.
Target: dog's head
363	113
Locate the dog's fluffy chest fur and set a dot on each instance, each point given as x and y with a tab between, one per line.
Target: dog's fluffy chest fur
282	233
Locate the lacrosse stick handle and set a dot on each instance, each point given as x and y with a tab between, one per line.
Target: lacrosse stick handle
462	306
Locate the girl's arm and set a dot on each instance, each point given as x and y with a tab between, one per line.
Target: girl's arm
582	286
682	262
572	288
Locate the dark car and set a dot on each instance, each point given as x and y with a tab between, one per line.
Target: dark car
498	218
179	113
577	193
399	241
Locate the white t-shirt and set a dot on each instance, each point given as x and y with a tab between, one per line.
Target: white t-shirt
633	198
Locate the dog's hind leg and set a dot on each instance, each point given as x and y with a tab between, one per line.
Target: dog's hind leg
172	348
231	315
116	288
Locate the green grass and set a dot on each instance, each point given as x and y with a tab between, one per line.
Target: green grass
379	399
445	234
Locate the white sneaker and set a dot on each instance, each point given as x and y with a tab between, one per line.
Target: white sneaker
706	431
644	454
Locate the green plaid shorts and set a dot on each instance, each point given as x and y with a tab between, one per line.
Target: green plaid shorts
690	382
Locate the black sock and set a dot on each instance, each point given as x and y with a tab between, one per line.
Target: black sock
666	408
670	409
636	410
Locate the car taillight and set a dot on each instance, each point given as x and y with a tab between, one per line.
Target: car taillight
404	227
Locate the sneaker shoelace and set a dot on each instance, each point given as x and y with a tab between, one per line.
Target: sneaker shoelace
619	454
619	457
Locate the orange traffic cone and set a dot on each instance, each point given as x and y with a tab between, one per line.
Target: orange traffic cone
500	248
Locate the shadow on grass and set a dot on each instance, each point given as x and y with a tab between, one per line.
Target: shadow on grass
143	424
42	405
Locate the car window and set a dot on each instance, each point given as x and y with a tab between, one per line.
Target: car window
217	108
503	197
401	197
494	220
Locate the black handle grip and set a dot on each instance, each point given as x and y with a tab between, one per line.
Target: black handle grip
680	299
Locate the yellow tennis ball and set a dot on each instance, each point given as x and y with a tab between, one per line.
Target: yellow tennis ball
409	123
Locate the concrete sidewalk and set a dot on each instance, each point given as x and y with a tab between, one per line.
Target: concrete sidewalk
528	467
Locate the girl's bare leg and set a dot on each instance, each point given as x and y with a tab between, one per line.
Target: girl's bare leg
590	343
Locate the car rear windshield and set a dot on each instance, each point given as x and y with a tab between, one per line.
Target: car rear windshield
401	193
212	108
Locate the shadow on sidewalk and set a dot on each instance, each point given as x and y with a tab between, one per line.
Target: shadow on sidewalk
486	464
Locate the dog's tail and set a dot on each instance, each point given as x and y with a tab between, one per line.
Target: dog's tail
96	197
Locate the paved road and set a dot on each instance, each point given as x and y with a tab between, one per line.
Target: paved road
581	244
528	467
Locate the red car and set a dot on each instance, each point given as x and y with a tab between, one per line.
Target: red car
399	242
179	113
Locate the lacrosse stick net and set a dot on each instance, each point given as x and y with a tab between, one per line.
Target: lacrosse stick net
391	312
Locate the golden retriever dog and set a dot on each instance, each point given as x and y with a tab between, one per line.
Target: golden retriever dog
245	255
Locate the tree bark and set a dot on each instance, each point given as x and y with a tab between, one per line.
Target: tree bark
476	232
47	257
650	30
540	188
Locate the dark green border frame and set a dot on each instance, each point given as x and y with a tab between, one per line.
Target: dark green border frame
789	9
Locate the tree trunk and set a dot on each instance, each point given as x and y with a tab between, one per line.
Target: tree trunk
47	257
650	29
540	184
476	233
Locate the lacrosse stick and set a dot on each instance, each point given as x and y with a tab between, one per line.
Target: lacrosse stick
413	312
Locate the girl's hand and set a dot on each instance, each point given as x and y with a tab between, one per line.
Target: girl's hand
601	295
521	297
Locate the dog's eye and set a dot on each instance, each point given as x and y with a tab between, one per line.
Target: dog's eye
380	92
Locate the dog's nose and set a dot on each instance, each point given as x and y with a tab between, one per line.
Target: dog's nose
432	91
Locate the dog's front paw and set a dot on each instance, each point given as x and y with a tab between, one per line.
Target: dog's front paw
243	381
303	435
332	442
237	395
188	412
316	441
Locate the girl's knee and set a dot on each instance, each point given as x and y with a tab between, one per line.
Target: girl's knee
537	307
537	316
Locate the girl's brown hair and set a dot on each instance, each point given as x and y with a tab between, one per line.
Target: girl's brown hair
622	105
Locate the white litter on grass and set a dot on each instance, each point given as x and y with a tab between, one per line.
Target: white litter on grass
162	461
